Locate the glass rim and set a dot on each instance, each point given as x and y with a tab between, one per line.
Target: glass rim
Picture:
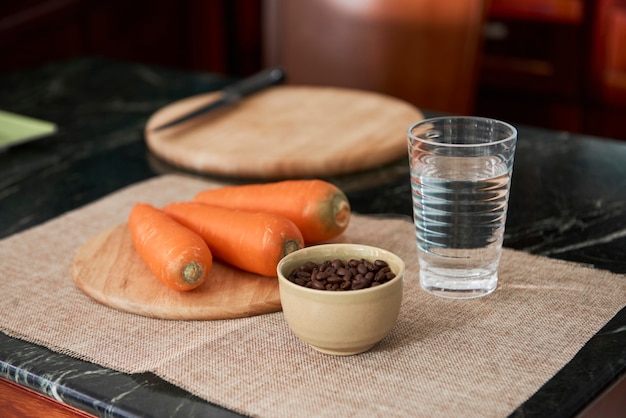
511	136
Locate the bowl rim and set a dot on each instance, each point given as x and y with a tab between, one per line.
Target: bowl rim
399	275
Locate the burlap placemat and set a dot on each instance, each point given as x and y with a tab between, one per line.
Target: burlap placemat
479	357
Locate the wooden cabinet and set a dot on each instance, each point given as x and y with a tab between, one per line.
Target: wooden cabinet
34	32
19	402
607	87
534	63
221	36
559	64
608	70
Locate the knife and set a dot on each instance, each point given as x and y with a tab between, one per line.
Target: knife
233	94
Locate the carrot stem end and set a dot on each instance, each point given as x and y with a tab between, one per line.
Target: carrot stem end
192	272
290	246
341	209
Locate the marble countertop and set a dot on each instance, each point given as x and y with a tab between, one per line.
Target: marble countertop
568	201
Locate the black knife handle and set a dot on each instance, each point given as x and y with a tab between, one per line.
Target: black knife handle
256	82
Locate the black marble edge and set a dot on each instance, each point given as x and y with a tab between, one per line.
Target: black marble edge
584	377
96	389
57	391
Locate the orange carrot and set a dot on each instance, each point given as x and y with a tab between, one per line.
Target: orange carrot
177	256
319	209
251	241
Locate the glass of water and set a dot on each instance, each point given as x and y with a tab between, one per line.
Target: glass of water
460	177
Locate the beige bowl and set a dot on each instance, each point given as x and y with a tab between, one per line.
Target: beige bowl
340	322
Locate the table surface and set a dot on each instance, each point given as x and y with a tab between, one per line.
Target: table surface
568	201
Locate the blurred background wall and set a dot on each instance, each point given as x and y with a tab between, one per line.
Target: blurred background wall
559	64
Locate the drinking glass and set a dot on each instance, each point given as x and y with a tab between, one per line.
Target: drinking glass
460	179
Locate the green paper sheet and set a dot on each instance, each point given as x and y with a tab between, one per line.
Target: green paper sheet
16	129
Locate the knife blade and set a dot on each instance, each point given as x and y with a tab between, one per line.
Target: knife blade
233	94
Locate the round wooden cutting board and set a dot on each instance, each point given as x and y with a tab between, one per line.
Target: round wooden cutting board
285	131
108	269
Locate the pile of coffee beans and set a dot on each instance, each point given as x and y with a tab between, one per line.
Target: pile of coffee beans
339	275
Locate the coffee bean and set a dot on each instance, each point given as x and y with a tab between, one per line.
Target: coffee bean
380	275
316	284
303	274
337	275
309	266
342	271
334	279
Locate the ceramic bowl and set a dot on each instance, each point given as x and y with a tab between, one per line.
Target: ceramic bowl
340	322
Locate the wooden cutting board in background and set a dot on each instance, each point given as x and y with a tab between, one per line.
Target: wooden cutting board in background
108	269
286	131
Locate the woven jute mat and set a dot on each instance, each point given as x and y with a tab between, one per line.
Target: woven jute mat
481	357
